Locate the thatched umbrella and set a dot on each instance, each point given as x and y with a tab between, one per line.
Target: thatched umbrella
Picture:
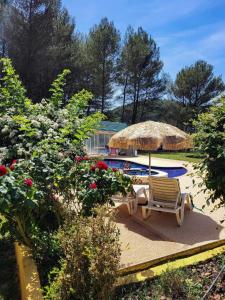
151	136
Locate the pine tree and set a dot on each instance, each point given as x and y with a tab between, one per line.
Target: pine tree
196	85
102	50
139	71
40	40
4	4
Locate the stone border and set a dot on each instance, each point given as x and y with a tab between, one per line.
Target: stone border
172	265
29	278
171	257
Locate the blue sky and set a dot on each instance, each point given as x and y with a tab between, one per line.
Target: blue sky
185	30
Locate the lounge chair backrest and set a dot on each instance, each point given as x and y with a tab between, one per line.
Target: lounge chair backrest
164	189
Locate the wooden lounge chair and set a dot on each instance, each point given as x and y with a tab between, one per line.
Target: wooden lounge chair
165	196
131	199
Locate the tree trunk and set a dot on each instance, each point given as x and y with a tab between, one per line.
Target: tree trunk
134	106
124	99
142	109
103	88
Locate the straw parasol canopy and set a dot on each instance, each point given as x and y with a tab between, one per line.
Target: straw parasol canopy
151	136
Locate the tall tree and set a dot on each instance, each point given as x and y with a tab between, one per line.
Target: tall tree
102	47
196	85
139	70
3	16
40	42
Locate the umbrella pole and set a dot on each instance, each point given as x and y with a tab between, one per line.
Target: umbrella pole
149	163
149	170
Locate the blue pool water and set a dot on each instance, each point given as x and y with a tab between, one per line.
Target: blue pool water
143	169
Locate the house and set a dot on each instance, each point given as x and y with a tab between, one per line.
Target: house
98	143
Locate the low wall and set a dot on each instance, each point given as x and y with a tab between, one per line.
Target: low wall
29	279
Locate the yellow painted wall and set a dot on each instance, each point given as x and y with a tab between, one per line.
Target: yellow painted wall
29	278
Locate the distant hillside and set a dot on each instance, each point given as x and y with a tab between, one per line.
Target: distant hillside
167	111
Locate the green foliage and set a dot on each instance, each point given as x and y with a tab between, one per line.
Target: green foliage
92	255
176	284
47	253
173	284
139	71
96	184
45	138
31	128
210	139
50	179
19	202
167	111
40	41
57	98
196	86
12	93
102	49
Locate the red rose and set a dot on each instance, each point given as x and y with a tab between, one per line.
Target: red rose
3	170
114	169
93	186
14	162
79	158
28	182
12	167
101	165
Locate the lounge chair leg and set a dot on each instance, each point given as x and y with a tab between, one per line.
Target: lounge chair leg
188	199
146	212
189	202
129	208
135	205
180	216
132	207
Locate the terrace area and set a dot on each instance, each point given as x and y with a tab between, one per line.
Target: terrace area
159	236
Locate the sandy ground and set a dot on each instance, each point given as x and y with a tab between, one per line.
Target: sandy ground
159	235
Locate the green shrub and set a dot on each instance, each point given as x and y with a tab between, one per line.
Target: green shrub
19	202
179	284
92	254
43	138
210	139
96	183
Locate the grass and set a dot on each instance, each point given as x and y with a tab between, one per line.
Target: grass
192	157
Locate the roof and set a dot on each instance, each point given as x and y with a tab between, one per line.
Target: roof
112	126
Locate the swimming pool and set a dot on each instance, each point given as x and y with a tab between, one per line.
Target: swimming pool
133	168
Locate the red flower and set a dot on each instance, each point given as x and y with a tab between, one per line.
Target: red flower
93	186
79	158
3	170
14	162
114	169
12	167
101	165
28	182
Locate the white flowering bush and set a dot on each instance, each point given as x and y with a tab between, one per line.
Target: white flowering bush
27	128
39	174
44	138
